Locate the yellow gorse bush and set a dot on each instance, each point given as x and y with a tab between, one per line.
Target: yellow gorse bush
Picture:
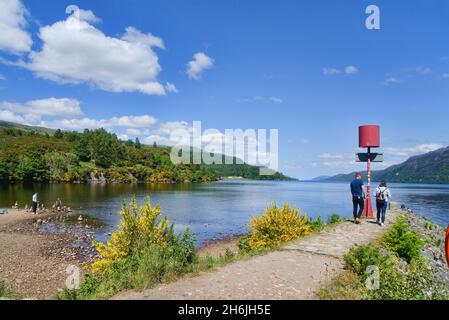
139	227
276	226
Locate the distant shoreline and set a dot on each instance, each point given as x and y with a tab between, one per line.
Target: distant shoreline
377	182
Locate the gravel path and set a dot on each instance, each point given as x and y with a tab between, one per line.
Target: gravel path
295	272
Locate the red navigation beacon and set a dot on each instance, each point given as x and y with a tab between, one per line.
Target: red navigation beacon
369	137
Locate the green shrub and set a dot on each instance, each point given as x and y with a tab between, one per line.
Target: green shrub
316	225
334	219
345	286
5	292
416	282
360	258
402	241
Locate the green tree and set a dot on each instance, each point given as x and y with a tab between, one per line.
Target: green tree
32	168
99	146
138	144
58	164
129	143
59	134
5	170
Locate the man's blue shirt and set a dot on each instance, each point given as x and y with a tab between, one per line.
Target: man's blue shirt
356	188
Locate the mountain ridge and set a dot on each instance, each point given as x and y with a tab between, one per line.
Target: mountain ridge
431	167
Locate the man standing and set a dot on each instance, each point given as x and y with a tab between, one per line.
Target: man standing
35	203
358	197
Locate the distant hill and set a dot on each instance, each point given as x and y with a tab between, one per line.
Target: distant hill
320	178
12	125
432	167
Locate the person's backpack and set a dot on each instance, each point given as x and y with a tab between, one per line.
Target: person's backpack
381	196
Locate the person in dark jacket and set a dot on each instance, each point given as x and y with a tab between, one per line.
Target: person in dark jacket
358	197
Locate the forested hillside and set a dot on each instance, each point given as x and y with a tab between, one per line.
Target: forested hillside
27	155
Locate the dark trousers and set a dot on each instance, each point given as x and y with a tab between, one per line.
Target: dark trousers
358	203
381	210
34	207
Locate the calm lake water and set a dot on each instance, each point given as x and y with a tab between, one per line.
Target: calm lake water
221	209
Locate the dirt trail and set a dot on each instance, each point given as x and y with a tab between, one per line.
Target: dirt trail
295	272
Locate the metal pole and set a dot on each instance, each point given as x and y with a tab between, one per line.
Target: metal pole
368	204
369	173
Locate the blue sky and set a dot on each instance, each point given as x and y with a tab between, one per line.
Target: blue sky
308	68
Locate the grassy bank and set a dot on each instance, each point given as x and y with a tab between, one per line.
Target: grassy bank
145	251
394	268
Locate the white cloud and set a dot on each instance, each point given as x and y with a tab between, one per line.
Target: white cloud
339	164
331	71
445	75
405	74
7	115
350	70
391	80
170	87
2	77
413	151
123	137
144	121
331	156
13	37
276	100
76	52
200	63
45	107
80	14
424	71
133	132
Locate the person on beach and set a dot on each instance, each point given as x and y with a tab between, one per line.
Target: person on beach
58	204
383	196
34	203
358	197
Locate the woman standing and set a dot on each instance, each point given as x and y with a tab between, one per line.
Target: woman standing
34	200
383	196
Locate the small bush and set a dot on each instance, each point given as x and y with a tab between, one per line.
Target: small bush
316	225
405	243
334	219
276	226
5	292
414	282
345	286
360	258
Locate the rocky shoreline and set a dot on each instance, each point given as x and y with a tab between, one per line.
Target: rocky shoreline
38	250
